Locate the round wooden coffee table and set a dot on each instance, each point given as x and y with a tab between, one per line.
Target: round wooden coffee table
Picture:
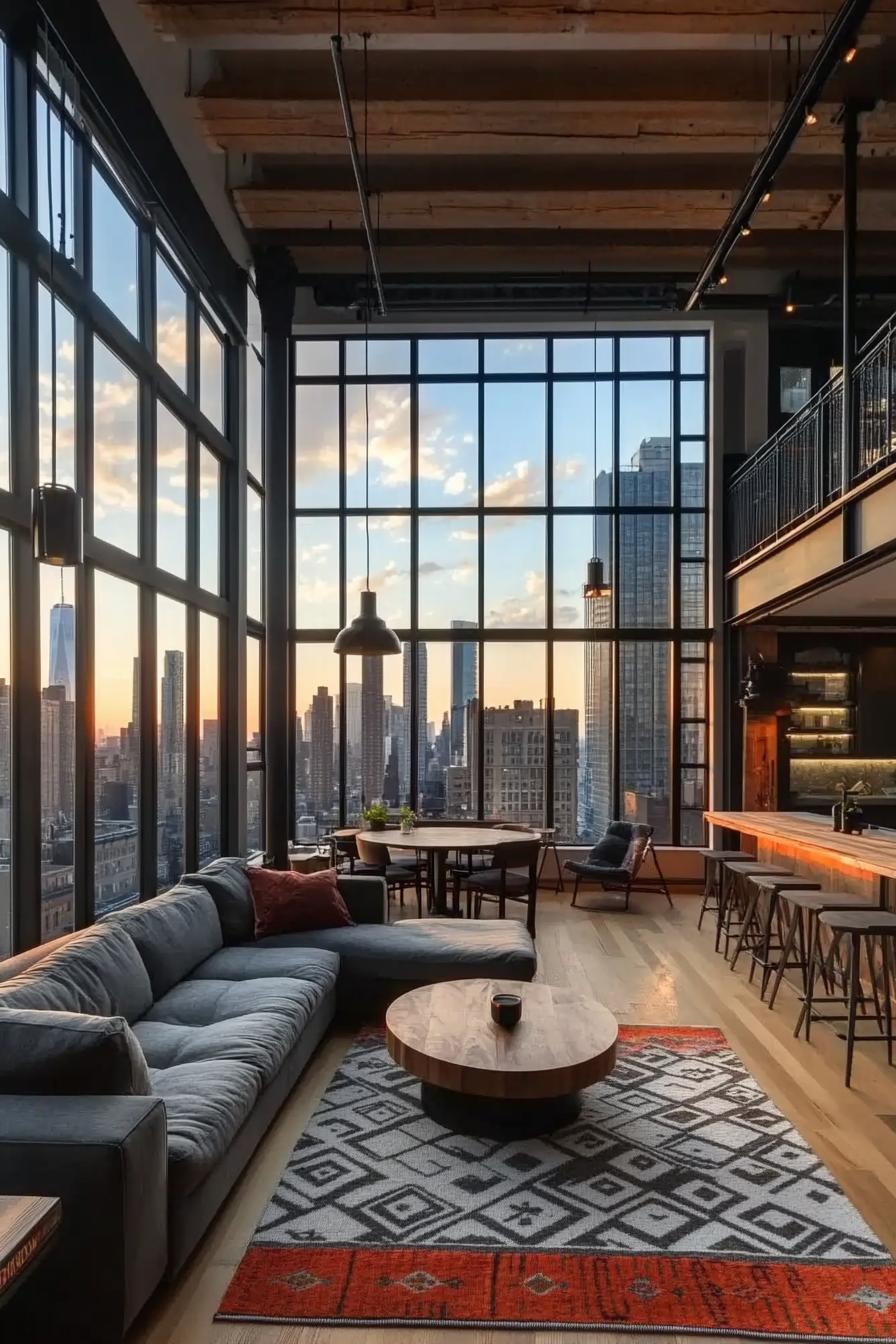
479	1078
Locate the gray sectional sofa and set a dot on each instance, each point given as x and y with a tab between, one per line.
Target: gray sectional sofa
142	1060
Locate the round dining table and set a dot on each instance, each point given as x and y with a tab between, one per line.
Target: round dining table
437	842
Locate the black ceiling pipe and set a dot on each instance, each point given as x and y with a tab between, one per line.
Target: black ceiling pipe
838	39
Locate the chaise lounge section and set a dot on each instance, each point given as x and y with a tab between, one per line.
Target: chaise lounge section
142	1061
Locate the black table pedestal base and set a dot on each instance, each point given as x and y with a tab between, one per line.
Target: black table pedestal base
496	1117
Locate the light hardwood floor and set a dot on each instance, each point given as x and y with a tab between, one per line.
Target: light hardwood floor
649	966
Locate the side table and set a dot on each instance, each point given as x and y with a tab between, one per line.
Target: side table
28	1226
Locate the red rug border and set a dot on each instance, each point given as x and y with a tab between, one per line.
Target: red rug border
496	1262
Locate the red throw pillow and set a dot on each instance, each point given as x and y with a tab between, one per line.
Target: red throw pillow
296	902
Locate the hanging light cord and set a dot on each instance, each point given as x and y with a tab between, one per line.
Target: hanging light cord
594	434
366	345
52	280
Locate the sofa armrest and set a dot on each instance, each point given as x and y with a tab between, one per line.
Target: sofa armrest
367	899
106	1159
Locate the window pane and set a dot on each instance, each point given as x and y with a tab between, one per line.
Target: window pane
114	237
171	323
317	574
515	354
448	549
583	354
513	744
377	732
447	677
115	450
5	753
384	358
693	828
254	778
693	789
693	487
645	354
693	354
390	559
211	374
448	356
644	569
514	572
4	172
317	741
583	740
117	752
583	443
57	752
693	408
693	743
64	390
317	447
644	735
577	540
209	739
693	691
645	442
209	521
49	221
254	555
317	359
448	451
171	646
4	354
387	411
171	492
514	444
693	535
693	593
254	415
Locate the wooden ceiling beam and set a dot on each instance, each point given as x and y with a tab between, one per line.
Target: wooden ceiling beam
207	20
624	209
458	127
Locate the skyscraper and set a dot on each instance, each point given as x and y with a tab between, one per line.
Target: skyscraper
62	648
422	751
320	773
171	718
464	659
373	738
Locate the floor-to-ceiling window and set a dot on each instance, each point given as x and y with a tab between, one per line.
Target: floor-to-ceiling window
124	388
476	480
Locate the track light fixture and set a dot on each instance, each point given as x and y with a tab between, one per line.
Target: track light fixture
766	197
811	117
746	231
790	307
849	55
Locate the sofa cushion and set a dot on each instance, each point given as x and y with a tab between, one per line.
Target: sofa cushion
261	1041
256	963
424	950
69	1054
100	972
206	1103
173	933
228	885
288	902
610	851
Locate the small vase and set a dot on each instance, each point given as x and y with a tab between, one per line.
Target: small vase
407	827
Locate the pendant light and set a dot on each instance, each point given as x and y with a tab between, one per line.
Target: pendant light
595	584
368	634
57	515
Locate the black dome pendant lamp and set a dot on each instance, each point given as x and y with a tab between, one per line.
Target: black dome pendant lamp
368	633
57	515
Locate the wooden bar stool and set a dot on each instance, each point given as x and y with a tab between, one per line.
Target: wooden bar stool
712	879
860	927
801	909
733	894
756	930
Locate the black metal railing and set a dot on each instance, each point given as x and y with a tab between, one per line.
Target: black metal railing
799	470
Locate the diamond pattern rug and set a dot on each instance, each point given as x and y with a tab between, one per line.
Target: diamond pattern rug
680	1200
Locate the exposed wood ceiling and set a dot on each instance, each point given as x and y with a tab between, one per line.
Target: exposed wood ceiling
540	135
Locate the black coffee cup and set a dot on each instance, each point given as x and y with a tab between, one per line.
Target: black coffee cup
507	1009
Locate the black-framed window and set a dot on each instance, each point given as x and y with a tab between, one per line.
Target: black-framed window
118	667
255	582
500	466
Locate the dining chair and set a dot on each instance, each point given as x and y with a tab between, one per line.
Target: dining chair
376	861
504	881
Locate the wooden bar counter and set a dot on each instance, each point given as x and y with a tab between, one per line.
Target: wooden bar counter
807	843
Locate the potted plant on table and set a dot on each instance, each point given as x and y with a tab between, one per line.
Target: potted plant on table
407	819
376	816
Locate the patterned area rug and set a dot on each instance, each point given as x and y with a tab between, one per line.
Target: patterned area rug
680	1200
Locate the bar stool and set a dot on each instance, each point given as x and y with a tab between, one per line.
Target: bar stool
756	930
858	926
733	900
712	882
799	931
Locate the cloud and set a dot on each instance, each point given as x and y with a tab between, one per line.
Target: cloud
456	483
514	612
315	555
566	616
568	469
464	534
520	485
173	507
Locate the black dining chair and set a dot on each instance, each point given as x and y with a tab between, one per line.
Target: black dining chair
376	861
504	881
